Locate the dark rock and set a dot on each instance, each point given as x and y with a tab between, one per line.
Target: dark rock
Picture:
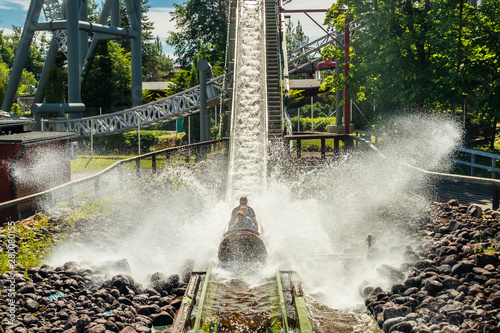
387	325
161	319
392	273
475	211
396	311
32	306
128	329
28	288
433	286
462	267
99	328
403	327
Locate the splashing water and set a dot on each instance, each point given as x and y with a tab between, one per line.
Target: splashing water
247	166
308	219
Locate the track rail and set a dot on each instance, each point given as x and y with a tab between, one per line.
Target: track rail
176	106
52	11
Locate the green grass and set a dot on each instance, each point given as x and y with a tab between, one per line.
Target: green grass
34	245
97	163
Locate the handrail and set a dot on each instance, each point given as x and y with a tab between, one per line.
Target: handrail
473	153
494	183
96	178
473	165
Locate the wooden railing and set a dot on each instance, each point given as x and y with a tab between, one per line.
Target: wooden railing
199	150
473	165
337	138
494	184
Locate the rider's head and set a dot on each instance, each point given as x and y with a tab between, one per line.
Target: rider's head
243	200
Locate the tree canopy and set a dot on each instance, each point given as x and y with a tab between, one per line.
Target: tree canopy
436	54
200	24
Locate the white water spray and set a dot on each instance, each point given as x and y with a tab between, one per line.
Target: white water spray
248	157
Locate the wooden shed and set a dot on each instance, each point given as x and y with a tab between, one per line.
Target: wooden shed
32	162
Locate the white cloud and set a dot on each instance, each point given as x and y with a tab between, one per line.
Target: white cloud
162	26
7	31
161	18
13	4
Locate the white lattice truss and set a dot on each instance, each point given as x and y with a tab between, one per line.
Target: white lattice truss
308	54
175	106
52	12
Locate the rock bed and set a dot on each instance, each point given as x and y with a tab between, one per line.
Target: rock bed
66	299
454	286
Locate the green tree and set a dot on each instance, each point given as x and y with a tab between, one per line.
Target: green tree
199	23
151	47
6	51
55	92
4	79
407	54
295	36
107	78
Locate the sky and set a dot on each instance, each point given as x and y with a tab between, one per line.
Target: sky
13	12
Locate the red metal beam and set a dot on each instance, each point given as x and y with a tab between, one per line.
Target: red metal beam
347	117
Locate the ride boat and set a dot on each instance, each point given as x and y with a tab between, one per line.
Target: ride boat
242	242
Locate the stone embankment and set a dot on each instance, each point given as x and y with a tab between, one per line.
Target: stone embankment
66	299
454	286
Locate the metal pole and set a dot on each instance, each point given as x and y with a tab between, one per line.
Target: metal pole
139	132
74	89
115	13
84	36
21	53
298	119
136	56
312	115
346	75
204	69
338	98
189	130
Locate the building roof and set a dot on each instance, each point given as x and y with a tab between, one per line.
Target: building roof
160	85
305	84
12	122
37	137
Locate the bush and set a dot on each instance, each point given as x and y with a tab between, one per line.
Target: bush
126	143
320	124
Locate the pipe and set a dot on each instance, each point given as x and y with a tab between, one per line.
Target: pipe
346	75
87	26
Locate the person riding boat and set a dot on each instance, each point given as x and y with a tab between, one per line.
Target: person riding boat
243	221
243	203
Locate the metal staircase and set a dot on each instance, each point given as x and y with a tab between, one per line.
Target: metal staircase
274	100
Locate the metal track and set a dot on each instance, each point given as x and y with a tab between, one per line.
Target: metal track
176	106
52	11
309	53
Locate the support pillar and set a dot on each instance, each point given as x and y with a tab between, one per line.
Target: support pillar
22	53
84	36
136	55
74	84
347	102
338	98
205	71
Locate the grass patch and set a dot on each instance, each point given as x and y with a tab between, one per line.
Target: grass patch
98	163
34	237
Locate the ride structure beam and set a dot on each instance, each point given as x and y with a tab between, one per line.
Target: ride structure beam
68	20
22	53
